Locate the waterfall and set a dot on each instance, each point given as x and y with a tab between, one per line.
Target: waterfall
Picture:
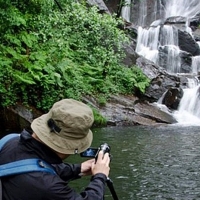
142	13
147	42
125	13
189	107
184	8
173	59
196	64
166	38
160	43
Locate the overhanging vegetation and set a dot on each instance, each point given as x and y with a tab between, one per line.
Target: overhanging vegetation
47	54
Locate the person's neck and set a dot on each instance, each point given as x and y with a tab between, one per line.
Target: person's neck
61	155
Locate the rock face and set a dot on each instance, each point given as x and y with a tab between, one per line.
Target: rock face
161	81
17	118
100	4
172	98
119	111
187	43
129	110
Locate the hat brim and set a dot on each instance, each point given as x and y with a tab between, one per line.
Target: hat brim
55	141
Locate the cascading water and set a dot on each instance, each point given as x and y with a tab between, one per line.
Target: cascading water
196	64
147	43
160	39
189	109
125	13
184	8
142	13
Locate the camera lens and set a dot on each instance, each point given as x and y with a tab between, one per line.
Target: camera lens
105	148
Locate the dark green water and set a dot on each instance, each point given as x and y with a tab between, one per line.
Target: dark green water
154	163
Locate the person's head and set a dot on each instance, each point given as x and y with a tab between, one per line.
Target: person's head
66	127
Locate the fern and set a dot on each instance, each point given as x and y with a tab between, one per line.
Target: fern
46	56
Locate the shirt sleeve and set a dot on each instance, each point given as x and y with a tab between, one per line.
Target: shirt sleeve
68	172
96	188
58	190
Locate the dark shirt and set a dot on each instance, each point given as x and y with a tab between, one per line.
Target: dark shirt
43	185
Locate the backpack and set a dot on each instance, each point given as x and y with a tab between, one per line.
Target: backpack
21	166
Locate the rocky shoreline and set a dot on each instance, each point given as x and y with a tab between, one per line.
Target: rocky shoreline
137	109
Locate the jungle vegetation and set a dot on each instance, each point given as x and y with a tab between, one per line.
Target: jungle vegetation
49	52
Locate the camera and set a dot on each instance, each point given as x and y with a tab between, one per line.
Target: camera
93	152
90	153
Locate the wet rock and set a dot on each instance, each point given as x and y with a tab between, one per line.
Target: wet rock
131	55
172	98
160	80
113	5
176	20
187	43
196	34
100	4
119	111
149	68
186	62
129	111
17	118
153	11
151	111
183	65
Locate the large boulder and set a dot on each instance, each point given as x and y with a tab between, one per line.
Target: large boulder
100	5
144	17
181	63
161	81
129	110
17	117
172	98
187	43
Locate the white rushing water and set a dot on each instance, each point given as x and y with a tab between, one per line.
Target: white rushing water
125	13
142	13
184	8
195	64
151	39
165	37
189	108
147	42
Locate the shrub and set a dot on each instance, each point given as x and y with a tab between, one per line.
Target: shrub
46	54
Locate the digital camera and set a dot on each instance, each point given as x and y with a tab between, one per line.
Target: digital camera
93	152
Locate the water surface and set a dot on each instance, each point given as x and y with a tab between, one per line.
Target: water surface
151	163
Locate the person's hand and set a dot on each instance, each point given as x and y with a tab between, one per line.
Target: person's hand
86	167
102	164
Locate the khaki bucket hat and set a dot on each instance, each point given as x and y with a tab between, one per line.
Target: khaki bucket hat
66	127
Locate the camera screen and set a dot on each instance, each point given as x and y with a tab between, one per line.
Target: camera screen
90	152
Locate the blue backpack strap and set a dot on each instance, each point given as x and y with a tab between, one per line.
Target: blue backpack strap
23	166
2	142
6	138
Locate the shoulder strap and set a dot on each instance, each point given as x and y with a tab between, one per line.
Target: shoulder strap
6	138
23	166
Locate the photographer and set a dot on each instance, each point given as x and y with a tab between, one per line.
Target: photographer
63	131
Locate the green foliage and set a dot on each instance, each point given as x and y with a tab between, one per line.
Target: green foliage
46	54
99	120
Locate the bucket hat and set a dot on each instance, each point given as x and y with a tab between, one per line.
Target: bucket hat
66	127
